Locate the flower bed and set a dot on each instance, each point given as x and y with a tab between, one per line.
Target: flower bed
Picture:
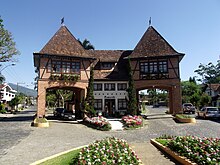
185	118
198	150
99	123
109	151
132	121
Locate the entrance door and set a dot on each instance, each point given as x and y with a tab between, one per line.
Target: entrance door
109	106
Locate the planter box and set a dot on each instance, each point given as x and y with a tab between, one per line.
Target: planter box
35	123
41	125
186	120
180	159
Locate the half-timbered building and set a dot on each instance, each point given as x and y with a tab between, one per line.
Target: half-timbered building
64	64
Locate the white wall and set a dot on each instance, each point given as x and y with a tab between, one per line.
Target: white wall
110	94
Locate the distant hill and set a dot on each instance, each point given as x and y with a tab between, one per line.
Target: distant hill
24	90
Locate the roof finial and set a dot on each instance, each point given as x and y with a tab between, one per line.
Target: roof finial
150	21
62	21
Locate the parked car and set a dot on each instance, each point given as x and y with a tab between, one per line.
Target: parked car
189	108
64	114
208	112
57	112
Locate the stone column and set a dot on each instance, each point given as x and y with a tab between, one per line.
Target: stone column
41	99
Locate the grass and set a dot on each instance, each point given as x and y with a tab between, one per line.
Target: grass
182	116
64	159
162	141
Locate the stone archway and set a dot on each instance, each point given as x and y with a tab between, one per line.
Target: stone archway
172	86
78	87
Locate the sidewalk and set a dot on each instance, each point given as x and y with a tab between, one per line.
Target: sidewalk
149	154
5	115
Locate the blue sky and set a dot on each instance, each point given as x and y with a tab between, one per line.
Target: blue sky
191	27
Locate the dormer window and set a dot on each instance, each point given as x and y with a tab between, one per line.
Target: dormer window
107	65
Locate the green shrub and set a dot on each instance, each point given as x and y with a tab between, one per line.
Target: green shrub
2	107
183	116
3	111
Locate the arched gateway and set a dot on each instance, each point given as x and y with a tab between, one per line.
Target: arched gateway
64	63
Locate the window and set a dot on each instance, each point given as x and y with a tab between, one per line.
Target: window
98	104
97	87
122	86
153	67
144	67
122	104
56	66
75	68
163	66
154	70
66	67
107	65
63	67
109	87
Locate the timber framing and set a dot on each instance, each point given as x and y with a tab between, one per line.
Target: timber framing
154	63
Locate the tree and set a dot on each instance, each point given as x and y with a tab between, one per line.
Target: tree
191	92
86	44
7	45
2	78
209	73
205	100
132	103
18	99
89	101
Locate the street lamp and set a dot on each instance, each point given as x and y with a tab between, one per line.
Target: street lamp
13	64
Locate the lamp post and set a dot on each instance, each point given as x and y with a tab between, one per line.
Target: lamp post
13	64
2	78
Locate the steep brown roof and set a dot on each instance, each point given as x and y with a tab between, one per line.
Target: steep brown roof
152	44
106	55
64	43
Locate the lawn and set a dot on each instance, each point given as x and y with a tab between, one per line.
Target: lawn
64	159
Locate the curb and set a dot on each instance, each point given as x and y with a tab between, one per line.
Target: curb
56	155
180	159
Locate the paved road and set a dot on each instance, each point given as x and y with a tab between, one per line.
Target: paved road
14	128
25	144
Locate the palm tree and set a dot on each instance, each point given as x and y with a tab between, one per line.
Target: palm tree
86	44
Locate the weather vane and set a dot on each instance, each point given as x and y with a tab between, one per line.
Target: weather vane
150	21
62	21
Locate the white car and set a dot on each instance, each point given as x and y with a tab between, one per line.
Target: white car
208	112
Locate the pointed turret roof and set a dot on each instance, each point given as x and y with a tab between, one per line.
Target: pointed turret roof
152	44
64	43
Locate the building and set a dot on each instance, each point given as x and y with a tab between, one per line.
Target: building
6	93
64	64
213	90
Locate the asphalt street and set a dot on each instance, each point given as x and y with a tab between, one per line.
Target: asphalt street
22	144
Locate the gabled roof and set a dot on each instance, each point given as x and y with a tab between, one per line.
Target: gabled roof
3	86
152	44
64	43
214	87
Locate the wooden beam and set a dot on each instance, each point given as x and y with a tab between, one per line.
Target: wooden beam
174	69
45	68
